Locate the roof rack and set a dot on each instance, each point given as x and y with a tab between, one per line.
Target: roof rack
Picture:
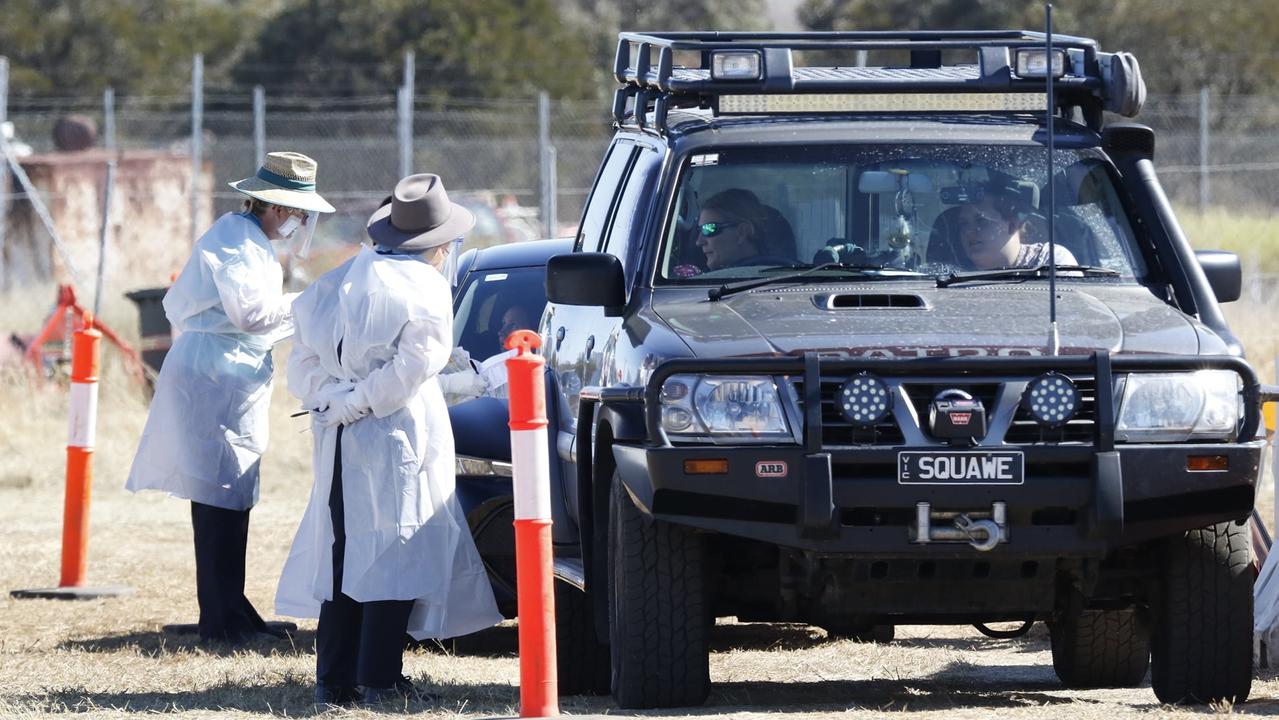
1001	80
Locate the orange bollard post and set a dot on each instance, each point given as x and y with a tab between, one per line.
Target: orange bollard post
81	428
539	686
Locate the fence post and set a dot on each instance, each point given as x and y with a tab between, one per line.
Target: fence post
197	137
553	191
259	125
108	119
406	116
546	166
1205	197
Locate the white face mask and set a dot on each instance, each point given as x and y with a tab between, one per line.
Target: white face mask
289	226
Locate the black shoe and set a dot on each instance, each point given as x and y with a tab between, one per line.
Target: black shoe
326	694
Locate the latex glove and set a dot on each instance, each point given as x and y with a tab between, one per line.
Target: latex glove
349	408
325	396
462	385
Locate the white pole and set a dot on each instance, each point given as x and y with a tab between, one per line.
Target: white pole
1205	198
547	180
108	119
259	125
4	88
553	220
102	236
406	116
197	136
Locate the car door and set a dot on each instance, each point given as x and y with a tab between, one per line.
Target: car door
599	362
567	329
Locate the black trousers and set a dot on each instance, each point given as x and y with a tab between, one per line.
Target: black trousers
356	643
221	541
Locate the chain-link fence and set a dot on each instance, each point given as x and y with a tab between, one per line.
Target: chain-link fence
1210	151
488	146
1216	151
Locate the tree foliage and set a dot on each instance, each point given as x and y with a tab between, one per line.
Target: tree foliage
76	47
471	48
474	48
1182	45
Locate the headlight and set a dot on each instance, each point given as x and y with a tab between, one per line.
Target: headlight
723	407
1176	407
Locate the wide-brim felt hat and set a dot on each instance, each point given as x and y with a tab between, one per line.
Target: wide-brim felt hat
419	217
288	179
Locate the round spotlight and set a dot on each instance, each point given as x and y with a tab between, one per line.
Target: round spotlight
863	400
1052	399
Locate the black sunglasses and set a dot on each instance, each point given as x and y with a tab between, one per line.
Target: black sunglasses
712	229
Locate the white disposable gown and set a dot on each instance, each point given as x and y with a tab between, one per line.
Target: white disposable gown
406	535
207	428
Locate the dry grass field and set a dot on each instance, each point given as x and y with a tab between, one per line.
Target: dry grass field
109	658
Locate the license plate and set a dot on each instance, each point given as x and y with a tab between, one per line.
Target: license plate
994	467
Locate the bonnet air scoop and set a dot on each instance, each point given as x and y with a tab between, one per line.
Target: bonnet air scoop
847	301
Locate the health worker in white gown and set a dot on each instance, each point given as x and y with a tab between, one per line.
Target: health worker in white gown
207	427
383	546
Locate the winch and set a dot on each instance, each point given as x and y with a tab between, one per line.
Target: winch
980	529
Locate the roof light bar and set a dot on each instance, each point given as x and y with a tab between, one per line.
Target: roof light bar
1033	63
881	102
735	65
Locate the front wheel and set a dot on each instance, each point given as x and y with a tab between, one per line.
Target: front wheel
1202	640
1101	648
657	621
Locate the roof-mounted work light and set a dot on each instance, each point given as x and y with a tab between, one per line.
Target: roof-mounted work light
1033	63
735	65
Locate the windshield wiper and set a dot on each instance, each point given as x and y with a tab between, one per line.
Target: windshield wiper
1023	274
725	290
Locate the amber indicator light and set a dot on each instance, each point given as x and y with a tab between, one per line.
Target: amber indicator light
1202	463
705	467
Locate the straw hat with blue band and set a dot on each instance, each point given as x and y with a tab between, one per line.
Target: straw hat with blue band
288	179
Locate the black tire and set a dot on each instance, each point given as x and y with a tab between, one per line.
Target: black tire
582	661
1101	648
1202	643
658	629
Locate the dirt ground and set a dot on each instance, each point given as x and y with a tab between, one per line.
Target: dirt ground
110	658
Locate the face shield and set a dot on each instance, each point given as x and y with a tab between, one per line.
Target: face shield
449	271
304	235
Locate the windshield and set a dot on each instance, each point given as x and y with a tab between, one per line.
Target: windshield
894	210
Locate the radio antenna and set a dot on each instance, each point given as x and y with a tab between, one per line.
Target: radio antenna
1054	339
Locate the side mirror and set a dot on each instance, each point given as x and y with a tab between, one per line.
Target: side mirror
1223	273
587	278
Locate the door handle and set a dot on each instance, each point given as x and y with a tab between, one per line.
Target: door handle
559	337
590	345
